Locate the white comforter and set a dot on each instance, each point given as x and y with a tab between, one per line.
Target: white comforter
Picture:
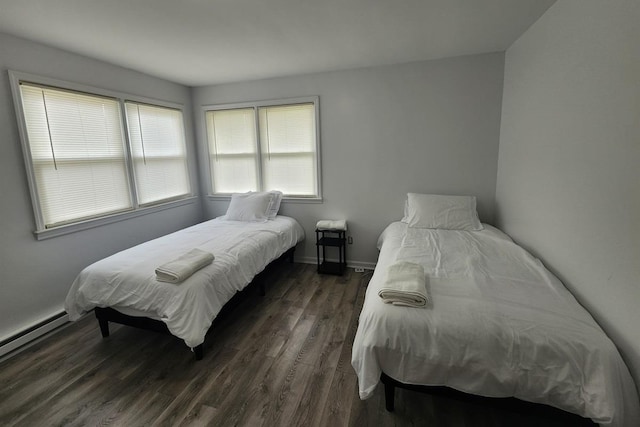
499	324
127	281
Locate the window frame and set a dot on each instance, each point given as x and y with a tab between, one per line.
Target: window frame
256	105
41	231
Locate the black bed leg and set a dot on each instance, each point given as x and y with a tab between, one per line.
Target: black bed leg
104	327
199	352
292	252
389	396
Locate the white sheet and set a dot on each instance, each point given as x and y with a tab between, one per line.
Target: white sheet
500	325
126	281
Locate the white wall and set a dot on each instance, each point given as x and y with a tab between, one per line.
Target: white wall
421	127
35	275
569	163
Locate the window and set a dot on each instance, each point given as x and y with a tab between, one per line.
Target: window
84	162
265	146
158	151
77	154
233	150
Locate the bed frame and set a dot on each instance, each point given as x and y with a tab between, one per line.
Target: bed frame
507	403
108	314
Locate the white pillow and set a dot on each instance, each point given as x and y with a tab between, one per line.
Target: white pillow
445	212
405	218
274	206
249	207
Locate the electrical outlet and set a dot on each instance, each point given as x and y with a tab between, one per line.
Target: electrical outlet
350	240
359	270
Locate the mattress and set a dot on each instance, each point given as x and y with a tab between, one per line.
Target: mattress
499	325
126	281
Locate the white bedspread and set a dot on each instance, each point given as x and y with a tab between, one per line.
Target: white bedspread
500	325
127	281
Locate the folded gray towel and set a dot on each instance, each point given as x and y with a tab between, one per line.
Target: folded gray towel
181	268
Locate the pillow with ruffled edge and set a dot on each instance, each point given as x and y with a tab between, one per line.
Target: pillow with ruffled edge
442	212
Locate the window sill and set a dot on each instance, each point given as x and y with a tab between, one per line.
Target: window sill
227	197
85	225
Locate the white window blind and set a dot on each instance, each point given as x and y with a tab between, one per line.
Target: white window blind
288	148
233	155
77	152
158	150
282	155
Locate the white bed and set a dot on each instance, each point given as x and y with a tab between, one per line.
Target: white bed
127	282
498	325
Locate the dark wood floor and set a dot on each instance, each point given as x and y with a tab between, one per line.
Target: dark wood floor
278	360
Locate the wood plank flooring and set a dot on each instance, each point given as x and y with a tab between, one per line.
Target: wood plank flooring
279	360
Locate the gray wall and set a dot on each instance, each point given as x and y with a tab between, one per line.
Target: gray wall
569	163
421	127
36	275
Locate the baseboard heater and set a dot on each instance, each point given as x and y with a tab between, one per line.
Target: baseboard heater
32	333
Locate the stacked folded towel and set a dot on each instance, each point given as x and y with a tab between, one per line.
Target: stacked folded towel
405	284
181	268
327	225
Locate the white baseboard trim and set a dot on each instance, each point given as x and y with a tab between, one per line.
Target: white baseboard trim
24	339
350	264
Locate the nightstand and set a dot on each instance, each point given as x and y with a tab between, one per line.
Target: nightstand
334	240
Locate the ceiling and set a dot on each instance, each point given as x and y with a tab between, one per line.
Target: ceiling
204	42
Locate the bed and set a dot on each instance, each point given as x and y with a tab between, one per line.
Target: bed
497	324
124	287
